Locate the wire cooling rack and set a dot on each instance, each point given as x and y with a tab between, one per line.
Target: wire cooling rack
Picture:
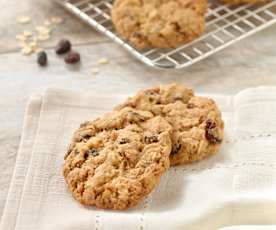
225	25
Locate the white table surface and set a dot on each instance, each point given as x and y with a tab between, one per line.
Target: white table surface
249	63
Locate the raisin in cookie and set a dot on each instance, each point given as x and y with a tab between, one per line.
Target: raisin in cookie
116	160
196	121
237	2
159	23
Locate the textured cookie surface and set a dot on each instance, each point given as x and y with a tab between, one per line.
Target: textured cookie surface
196	121
237	2
159	23
116	160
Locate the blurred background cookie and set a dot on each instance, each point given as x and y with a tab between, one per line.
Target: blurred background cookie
157	23
237	2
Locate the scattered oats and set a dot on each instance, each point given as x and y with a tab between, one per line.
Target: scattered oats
95	71
57	20
47	23
42	30
27	50
103	61
34	39
43	37
23	19
20	37
33	45
27	33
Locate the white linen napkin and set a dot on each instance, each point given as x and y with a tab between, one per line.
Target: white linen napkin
235	187
251	227
29	130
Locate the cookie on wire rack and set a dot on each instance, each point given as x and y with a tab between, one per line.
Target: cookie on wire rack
196	121
114	161
158	23
239	2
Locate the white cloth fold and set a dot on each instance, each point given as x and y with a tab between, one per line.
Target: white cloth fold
235	187
31	121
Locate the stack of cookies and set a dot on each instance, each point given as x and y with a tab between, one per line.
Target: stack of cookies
162	23
114	161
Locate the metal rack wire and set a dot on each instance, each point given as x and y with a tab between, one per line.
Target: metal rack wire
225	25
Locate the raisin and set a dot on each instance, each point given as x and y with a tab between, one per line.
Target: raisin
63	46
210	132
124	141
93	152
85	155
42	58
210	124
190	106
72	58
86	137
210	136
138	35
151	139
176	147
